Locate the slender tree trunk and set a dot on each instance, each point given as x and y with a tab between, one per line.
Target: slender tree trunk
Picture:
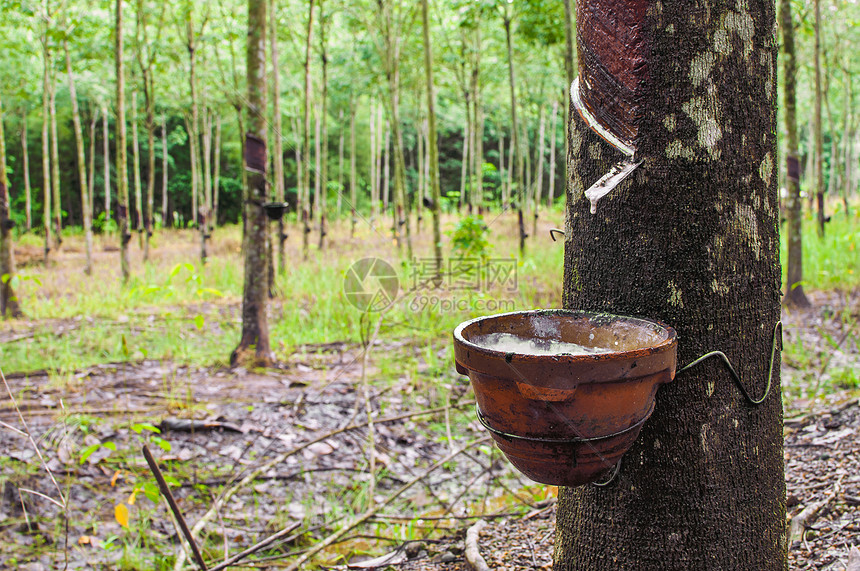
322	143
794	285
464	163
9	305
503	189
477	122
55	166
253	347
199	215
340	185
317	170
81	164
207	173
422	131
135	155
374	165
150	174
432	145
278	135
25	157
106	153
216	175
353	173
386	169
91	170
306	146
552	138
538	182
703	487
166	219
819	146
46	147
121	142
568	70
516	146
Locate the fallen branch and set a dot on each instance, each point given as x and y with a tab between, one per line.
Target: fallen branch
253	475
807	515
473	552
254	548
333	538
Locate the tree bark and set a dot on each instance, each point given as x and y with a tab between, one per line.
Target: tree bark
253	347
166	220
432	144
817	132
794	294
568	68
538	182
516	146
322	142
135	155
278	136
81	164
216	173
552	139
353	172
306	146
106	153
46	141
91	170
9	306
121	142
25	157
55	166
690	239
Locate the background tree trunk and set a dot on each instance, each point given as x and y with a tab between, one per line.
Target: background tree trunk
432	144
106	153
9	306
121	142
690	239
322	144
25	157
794	294
254	345
306	145
516	146
55	165
135	165
81	164
166	220
818	127
278	136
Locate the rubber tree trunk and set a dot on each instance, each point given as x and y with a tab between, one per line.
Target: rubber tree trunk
278	135
135	165
794	294
306	145
25	157
568	65
166	221
322	144
150	162
516	145
691	239
9	306
818	127
253	347
91	169
432	144
81	164
121	142
353	171
46	148
55	167
106	153
552	163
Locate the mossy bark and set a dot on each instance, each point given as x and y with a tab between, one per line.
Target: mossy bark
9	305
121	143
690	239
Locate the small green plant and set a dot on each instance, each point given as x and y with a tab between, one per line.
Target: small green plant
469	238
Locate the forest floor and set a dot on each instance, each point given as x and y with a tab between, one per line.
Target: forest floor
289	446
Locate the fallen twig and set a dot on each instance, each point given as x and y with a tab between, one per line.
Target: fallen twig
165	491
255	548
473	552
807	515
253	475
333	538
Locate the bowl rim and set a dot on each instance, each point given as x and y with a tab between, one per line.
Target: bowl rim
665	344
